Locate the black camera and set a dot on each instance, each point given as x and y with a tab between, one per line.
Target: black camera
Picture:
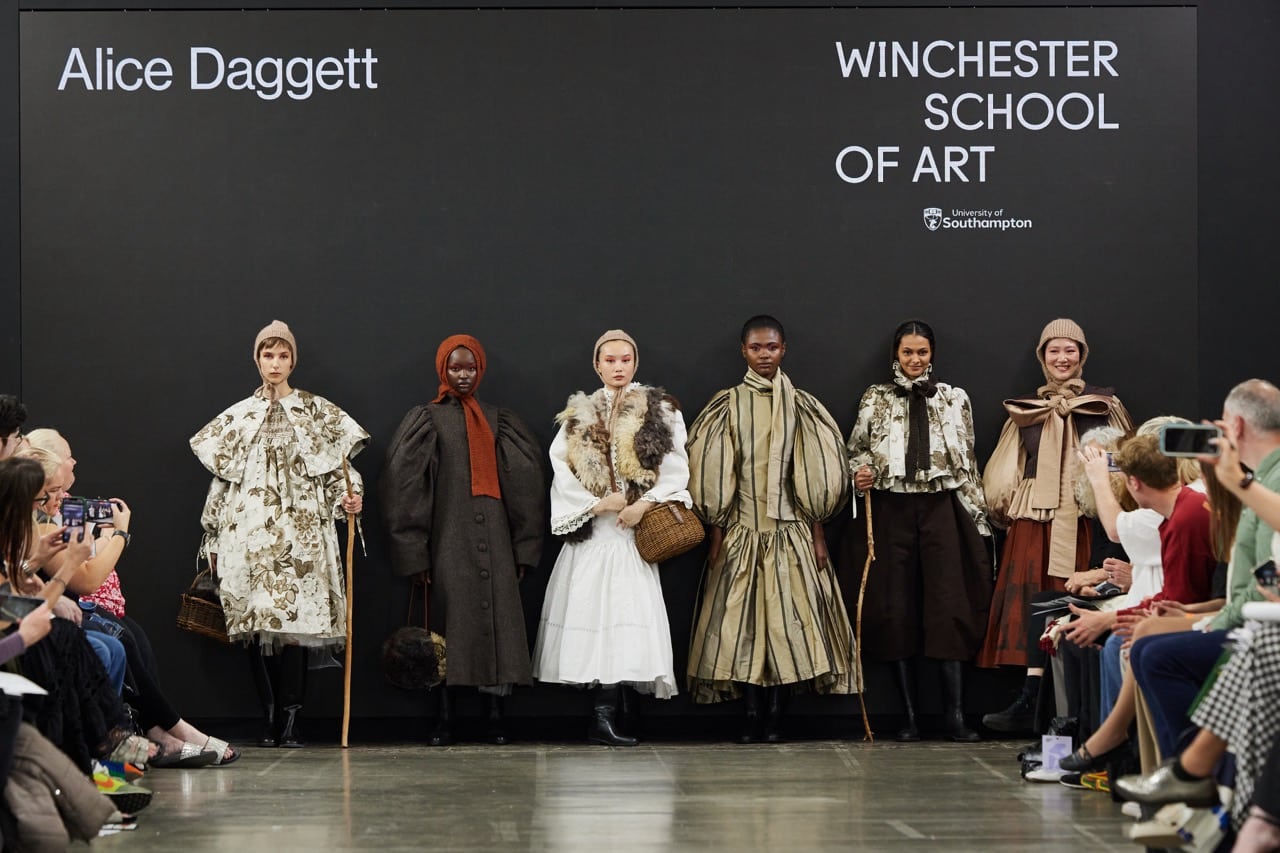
1266	576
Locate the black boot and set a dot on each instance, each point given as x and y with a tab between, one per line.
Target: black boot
605	712
953	693
261	668
753	701
774	713
442	734
496	728
1021	715
910	733
293	686
628	721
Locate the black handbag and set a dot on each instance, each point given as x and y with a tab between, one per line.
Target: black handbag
413	658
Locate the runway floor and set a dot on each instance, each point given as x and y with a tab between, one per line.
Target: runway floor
794	797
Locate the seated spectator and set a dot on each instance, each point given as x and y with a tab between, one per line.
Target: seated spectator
1185	554
1238	714
82	714
1171	670
181	744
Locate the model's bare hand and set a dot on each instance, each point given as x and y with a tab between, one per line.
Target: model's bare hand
352	504
615	502
864	478
630	516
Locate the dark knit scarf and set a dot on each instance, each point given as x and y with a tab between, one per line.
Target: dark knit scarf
917	392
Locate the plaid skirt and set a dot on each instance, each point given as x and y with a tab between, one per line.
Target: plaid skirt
1241	705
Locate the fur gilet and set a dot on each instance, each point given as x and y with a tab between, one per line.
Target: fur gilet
641	438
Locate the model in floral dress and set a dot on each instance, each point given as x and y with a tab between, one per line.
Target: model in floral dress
278	487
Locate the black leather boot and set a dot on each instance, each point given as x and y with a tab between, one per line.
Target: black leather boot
293	687
1021	715
953	693
602	720
495	726
628	720
442	734
774	712
753	723
902	670
261	668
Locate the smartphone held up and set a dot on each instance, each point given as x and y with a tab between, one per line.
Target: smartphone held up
1189	439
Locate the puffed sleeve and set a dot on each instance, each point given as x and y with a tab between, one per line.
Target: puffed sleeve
407	491
713	462
524	487
673	472
1003	473
821	478
858	448
211	517
571	502
970	490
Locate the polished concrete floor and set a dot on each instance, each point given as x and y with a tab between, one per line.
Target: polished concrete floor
794	797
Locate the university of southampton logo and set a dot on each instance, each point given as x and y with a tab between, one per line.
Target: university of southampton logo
932	218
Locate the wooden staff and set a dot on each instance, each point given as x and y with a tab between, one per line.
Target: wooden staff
862	591
351	552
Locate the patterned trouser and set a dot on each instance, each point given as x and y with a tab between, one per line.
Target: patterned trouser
1243	706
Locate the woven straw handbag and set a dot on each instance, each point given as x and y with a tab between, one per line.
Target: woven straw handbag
667	530
200	608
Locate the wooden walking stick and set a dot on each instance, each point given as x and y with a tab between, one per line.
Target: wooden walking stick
351	552
862	591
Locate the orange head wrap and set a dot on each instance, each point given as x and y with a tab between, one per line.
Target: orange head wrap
480	442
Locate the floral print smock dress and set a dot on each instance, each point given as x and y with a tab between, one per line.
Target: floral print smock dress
269	516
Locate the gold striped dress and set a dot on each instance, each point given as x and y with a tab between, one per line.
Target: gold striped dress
766	462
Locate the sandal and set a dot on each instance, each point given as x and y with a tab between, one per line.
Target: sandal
189	755
220	748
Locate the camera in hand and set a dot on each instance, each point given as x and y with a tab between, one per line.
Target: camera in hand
1267	577
77	511
1189	439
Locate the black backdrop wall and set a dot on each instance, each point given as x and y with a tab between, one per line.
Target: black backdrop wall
534	176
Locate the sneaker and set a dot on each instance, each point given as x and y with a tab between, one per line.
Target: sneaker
1133	810
127	798
1042	775
1072	780
1096	782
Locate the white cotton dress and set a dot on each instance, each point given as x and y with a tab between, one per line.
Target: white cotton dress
604	620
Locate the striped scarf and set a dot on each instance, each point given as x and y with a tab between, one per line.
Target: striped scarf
782	436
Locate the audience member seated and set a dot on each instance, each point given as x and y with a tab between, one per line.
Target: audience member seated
1185	555
96	581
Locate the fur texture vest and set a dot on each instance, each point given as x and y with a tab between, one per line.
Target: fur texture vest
626	459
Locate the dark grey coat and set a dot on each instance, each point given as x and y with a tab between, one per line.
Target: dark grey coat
470	546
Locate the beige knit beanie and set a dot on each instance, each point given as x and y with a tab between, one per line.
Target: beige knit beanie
1062	328
615	335
276	329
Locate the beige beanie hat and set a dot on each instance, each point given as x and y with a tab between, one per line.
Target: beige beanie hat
615	335
276	329
1062	328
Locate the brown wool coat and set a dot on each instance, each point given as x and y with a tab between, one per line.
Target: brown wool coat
470	546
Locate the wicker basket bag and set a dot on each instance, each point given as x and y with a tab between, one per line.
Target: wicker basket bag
200	609
667	530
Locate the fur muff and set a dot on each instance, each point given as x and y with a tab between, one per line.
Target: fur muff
641	439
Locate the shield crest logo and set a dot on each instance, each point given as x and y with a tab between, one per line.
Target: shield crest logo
932	218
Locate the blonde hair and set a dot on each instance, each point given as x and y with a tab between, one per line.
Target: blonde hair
1188	469
46	439
49	461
